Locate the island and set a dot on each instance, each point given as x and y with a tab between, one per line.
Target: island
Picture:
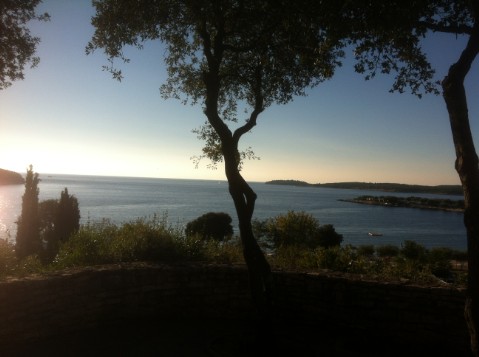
10	178
387	187
411	202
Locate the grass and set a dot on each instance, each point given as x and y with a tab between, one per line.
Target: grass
154	240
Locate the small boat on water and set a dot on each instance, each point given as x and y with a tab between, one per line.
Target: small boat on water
375	234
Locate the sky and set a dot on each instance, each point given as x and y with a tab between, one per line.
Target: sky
69	117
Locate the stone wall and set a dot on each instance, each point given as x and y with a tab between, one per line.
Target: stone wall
35	308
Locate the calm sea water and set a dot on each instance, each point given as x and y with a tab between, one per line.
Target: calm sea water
125	199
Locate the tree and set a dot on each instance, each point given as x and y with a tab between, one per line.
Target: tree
17	45
211	225
28	226
388	37
59	219
229	56
67	220
47	211
298	229
328	237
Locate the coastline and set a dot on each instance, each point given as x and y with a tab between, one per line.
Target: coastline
416	206
372	186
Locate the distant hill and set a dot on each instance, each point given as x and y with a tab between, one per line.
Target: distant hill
288	183
10	178
389	187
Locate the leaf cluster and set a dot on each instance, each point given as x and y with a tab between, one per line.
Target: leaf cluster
17	44
387	38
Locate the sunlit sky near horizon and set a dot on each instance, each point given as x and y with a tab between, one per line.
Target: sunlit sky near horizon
68	116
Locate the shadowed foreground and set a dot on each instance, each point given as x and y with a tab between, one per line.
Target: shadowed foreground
143	309
192	337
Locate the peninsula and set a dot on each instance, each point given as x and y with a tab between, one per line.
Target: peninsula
387	187
411	202
10	178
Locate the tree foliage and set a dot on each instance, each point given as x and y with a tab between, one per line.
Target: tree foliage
28	225
17	45
261	52
211	225
299	229
59	219
67	219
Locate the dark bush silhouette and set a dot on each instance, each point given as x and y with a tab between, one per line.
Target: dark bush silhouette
387	251
328	237
211	225
28	231
413	251
298	229
59	219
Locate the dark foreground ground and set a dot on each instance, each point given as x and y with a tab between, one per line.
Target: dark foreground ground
186	337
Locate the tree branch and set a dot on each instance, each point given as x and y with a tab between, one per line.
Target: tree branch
258	108
454	29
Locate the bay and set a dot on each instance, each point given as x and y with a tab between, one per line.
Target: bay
121	199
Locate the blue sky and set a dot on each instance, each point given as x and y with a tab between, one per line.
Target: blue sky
68	116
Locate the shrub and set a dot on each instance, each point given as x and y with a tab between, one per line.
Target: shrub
296	229
439	260
211	225
341	259
294	258
389	250
366	250
223	252
413	251
89	246
8	260
140	240
328	237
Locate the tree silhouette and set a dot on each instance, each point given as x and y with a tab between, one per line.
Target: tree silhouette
59	219
17	45
67	220
211	225
387	36
28	225
230	57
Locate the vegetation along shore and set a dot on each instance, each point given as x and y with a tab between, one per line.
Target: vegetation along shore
411	202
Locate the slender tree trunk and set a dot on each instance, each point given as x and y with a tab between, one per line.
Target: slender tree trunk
244	199
468	170
243	196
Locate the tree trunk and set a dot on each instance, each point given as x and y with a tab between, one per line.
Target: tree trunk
468	170
243	196
258	267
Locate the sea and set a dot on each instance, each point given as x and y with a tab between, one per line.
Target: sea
122	199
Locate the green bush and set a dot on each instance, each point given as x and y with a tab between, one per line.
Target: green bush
296	229
223	252
293	258
413	251
366	250
140	240
328	237
385	251
342	259
8	260
211	225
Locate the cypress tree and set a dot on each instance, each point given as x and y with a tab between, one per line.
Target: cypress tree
28	240
68	216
